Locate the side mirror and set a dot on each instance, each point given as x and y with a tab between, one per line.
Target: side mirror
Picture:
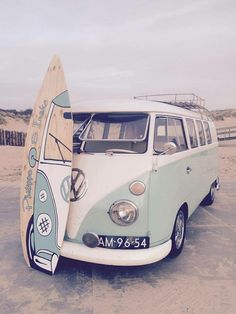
170	148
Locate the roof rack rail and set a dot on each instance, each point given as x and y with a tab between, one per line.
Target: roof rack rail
187	101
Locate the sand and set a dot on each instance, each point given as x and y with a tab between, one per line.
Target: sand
227	152
11	157
15	125
227	122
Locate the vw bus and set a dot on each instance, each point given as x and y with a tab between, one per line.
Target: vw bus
140	169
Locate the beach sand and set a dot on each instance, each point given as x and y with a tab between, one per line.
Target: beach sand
227	152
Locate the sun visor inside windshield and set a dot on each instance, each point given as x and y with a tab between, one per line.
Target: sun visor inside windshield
118	118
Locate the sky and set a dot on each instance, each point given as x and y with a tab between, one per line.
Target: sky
118	49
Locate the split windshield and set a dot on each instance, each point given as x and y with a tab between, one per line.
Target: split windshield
116	132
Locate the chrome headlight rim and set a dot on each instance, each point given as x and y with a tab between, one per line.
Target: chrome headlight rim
118	220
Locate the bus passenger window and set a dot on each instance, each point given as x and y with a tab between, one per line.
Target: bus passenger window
201	133
176	133
208	132
160	137
192	133
169	130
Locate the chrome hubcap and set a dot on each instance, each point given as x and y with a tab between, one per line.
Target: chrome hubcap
213	191
179	229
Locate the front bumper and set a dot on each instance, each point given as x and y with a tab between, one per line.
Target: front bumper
115	256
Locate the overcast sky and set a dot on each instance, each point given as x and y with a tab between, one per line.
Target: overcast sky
118	49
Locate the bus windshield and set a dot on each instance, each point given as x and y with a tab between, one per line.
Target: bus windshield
121	132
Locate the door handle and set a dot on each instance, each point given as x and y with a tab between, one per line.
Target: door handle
188	170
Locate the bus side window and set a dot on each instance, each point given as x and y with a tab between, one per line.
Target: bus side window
201	133
169	130
208	132
192	133
176	133
160	136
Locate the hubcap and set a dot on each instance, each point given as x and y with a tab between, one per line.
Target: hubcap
213	191
179	229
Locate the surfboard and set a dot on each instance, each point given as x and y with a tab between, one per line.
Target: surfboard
46	173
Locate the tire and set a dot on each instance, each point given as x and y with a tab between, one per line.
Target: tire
209	199
178	234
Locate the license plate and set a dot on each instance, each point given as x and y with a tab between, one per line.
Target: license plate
128	243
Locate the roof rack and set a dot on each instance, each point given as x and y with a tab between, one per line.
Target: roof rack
187	101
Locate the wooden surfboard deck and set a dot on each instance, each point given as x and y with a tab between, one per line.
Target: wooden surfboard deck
46	173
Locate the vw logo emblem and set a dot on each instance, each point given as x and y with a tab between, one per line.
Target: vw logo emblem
79	184
65	189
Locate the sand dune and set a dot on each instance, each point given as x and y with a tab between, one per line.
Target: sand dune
15	125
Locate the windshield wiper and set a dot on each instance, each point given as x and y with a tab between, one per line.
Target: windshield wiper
117	150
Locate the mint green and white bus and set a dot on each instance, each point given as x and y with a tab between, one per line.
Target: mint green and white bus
140	169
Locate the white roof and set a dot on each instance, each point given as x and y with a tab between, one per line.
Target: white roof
133	106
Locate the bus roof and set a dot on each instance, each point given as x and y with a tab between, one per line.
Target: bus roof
136	106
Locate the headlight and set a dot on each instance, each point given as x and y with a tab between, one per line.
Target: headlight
123	213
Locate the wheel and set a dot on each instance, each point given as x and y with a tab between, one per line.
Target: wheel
178	234
209	199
